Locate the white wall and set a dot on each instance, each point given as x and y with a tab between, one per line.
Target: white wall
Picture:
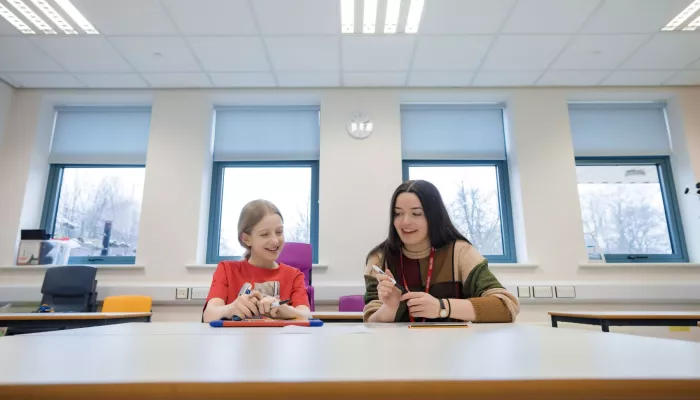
356	181
5	104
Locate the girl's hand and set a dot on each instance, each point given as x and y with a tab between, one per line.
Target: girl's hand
286	311
422	305
245	306
265	304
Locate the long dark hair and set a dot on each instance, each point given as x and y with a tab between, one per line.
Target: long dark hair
441	230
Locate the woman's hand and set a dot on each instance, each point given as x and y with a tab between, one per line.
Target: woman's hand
245	306
388	293
422	305
285	311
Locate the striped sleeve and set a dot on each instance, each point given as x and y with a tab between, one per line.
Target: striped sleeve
371	297
491	301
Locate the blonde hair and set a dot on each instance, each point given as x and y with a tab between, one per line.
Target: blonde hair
251	214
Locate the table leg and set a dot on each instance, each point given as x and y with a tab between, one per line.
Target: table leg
605	324
554	322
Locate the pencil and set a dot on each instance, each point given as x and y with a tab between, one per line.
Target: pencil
438	326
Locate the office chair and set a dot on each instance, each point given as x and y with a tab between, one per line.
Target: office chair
299	256
70	288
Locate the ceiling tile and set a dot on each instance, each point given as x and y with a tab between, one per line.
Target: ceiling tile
598	51
112	80
25	56
572	78
162	54
308	79
638	78
549	16
384	79
46	80
501	79
212	17
690	77
298	17
451	17
83	53
524	52
633	16
230	53
243	79
126	17
667	51
377	53
303	53
436	79
450	52
178	80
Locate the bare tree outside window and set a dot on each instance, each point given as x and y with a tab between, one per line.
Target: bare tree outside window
623	210
470	194
98	201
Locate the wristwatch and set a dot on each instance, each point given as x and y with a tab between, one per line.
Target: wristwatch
443	311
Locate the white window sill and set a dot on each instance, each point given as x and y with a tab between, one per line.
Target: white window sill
45	267
213	266
640	265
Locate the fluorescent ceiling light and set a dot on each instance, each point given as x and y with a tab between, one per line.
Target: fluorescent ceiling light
15	21
32	17
347	16
695	24
415	12
79	19
682	16
57	19
369	22
392	15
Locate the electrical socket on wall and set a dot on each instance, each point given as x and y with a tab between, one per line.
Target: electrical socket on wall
199	293
182	293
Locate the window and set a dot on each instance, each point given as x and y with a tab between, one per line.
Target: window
628	201
97	206
629	209
461	150
264	152
472	192
96	180
294	192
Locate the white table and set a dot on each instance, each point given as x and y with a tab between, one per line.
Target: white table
191	360
606	319
38	322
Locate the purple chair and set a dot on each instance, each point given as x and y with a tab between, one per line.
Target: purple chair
299	256
351	303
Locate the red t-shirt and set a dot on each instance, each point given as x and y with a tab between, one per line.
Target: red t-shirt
284	282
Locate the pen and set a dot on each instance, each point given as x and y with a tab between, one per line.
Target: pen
279	303
379	271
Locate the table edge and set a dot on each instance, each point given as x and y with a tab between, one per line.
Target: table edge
579	389
68	316
625	316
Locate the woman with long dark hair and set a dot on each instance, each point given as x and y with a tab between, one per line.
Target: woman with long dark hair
439	275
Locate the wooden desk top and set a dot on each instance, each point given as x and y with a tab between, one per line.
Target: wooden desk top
629	314
485	361
71	316
331	315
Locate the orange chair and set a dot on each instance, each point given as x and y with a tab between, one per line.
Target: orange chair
127	304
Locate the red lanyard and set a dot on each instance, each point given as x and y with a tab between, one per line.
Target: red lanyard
431	261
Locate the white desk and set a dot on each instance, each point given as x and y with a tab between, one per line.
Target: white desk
38	322
181	360
606	319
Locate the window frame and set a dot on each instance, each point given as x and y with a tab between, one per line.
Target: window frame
671	207
50	210
217	191
504	201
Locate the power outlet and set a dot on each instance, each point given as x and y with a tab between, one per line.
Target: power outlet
542	291
524	292
199	293
182	293
566	292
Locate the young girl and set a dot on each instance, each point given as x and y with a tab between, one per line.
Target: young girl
261	232
445	277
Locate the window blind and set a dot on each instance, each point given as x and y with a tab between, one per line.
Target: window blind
283	133
612	129
452	132
100	135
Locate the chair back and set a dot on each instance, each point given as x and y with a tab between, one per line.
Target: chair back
299	256
127	304
70	288
351	303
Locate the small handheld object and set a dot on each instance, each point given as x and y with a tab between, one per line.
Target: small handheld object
245	289
264	323
433	325
279	303
379	271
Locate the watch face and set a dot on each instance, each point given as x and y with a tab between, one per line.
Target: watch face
443	313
